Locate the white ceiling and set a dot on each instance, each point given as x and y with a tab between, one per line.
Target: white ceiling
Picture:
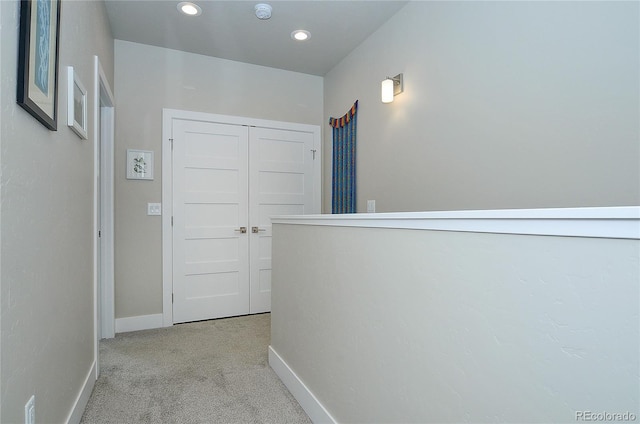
230	29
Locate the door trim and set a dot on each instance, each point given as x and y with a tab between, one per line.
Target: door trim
168	115
103	135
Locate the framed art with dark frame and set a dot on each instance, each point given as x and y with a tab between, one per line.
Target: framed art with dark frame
38	60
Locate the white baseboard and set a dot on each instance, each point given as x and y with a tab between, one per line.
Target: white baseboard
299	390
141	322
83	397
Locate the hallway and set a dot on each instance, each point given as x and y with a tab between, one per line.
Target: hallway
203	372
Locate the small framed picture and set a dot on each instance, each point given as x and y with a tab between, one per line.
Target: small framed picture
139	164
76	104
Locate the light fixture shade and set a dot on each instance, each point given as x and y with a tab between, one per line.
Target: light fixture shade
386	92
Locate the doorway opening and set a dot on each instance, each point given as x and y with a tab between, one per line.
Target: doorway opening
104	124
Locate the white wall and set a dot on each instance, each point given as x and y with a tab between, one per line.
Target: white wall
506	105
392	325
46	284
151	78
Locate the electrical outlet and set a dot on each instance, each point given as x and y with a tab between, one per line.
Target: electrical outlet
371	206
30	411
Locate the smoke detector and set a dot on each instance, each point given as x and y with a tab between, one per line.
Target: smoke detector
263	11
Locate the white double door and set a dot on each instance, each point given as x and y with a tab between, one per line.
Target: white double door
228	180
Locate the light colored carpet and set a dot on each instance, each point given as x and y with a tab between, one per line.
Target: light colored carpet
205	372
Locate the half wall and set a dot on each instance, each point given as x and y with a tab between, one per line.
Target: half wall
473	316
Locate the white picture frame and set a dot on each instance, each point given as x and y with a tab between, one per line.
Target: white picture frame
76	104
139	164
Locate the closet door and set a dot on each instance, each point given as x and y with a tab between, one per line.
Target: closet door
210	193
281	170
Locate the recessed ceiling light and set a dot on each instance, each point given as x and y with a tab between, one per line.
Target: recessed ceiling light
300	35
189	8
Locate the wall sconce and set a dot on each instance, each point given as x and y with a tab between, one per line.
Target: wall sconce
391	87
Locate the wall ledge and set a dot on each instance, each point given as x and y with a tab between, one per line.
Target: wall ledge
621	222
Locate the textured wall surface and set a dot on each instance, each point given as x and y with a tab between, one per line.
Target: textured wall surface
387	325
506	105
47	344
149	79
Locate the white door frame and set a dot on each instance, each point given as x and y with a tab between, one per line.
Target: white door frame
168	115
103	136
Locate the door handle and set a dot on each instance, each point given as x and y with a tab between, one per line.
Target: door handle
241	230
256	230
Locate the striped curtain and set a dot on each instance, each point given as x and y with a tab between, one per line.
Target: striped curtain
343	186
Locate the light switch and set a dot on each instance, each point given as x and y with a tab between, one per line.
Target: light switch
154	208
371	206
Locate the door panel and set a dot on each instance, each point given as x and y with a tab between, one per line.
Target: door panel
280	183
210	192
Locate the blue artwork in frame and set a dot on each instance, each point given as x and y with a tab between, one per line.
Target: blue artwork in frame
43	41
38	60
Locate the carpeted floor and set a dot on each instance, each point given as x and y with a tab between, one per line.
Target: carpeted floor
204	372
